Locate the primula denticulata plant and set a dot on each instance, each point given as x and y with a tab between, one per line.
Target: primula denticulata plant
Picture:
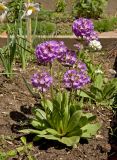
61	116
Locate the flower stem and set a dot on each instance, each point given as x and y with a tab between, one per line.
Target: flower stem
29	29
51	73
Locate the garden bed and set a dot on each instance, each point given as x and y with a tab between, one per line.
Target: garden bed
15	105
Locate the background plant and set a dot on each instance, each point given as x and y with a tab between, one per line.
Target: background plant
24	151
7	55
60	6
89	8
106	24
101	92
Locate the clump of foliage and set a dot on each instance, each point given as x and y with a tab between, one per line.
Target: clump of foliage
15	8
23	150
101	92
44	28
60	6
62	120
107	24
89	8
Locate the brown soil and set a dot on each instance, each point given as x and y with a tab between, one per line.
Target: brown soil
15	105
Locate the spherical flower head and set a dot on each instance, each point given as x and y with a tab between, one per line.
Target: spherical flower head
75	80
95	45
42	81
82	27
47	51
69	58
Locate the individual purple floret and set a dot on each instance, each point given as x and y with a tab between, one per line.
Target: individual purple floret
84	28
74	79
81	66
49	50
93	36
69	58
42	81
79	46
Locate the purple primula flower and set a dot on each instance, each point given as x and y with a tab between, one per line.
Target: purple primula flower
69	58
84	28
75	80
42	81
50	50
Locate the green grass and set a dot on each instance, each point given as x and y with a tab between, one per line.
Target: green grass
105	25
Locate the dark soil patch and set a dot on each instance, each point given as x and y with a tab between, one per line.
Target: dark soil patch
15	108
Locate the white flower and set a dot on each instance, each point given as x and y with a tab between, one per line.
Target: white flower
95	45
98	71
3	12
30	9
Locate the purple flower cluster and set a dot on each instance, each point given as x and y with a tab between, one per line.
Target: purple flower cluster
74	79
50	50
69	58
84	28
42	81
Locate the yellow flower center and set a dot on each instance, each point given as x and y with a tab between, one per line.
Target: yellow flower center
32	8
2	7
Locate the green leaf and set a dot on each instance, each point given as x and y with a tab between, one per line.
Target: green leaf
33	131
74	120
65	109
52	131
20	149
83	121
39	113
12	153
37	138
70	141
98	83
76	132
83	94
90	130
49	136
90	117
39	124
30	146
47	104
23	140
